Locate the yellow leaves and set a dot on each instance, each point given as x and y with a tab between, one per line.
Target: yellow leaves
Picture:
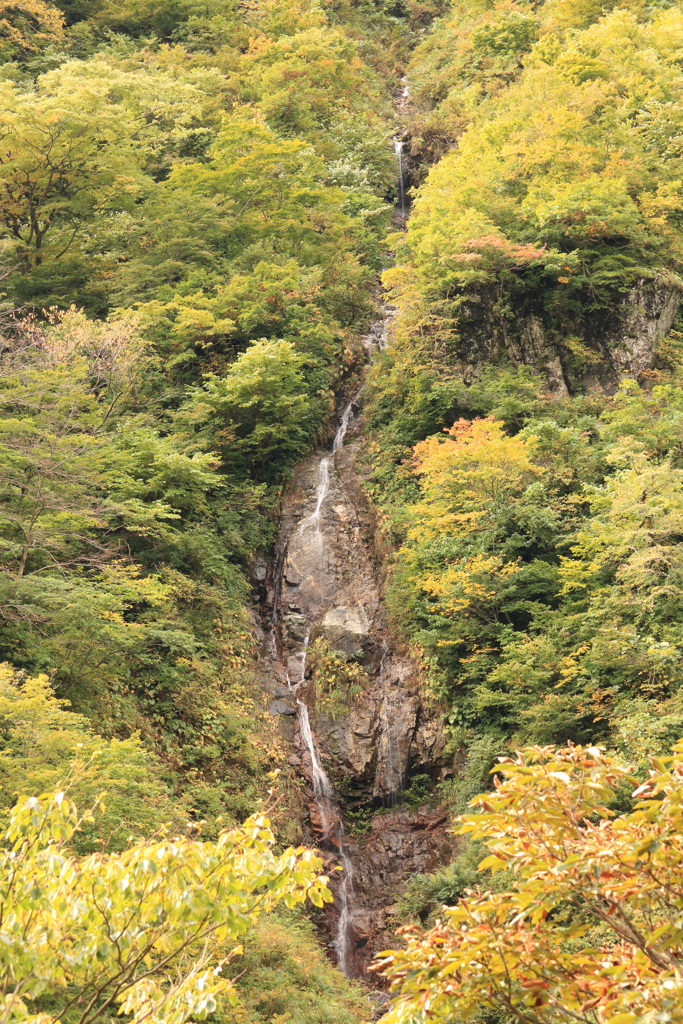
569	668
476	464
493	863
132	914
463	476
26	26
576	574
664	203
468	585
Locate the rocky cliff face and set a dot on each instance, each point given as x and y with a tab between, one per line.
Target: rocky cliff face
325	583
585	350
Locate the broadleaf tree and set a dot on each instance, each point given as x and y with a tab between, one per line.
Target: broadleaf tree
590	928
145	932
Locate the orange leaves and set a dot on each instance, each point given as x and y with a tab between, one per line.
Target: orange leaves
593	926
496	251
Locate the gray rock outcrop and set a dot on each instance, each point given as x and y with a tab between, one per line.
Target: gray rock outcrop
586	349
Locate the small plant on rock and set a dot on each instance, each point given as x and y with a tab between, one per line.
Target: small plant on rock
337	680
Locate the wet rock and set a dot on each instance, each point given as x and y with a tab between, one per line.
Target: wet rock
295	626
650	311
330	586
401	843
278	690
258	569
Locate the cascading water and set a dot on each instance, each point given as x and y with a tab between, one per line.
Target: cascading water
333	841
326	582
331	827
346	418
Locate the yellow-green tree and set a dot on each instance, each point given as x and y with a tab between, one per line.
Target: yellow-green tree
146	932
40	740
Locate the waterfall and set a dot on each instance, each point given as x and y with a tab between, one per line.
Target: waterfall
333	839
313	521
376	339
329	813
346	417
398	150
320	494
343	940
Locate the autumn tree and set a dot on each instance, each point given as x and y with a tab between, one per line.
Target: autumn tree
147	932
26	26
42	738
589	928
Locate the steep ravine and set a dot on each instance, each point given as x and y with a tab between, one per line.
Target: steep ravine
325	583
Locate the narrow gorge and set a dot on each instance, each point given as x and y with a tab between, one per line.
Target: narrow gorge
326	584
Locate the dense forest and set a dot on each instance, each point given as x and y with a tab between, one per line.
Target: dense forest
198	230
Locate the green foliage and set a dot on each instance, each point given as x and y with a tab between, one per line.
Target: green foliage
538	576
79	148
259	412
218	176
337	679
425	896
417	792
146	931
284	976
28	26
194	197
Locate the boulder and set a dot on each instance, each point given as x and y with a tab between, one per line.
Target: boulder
346	629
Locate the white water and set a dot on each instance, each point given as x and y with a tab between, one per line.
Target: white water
323	793
322	787
313	521
376	339
343	940
333	838
346	418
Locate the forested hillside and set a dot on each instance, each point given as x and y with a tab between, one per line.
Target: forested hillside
193	202
537	506
201	266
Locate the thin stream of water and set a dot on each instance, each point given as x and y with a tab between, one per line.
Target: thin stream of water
323	793
329	813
